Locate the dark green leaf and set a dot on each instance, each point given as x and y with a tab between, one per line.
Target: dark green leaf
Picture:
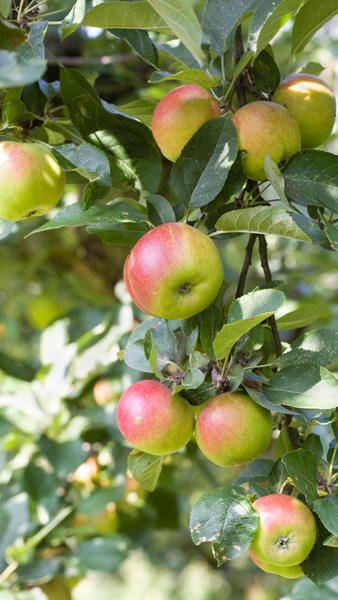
311	178
151	354
224	517
203	167
64	457
139	41
313	444
38	571
327	510
102	554
266	72
145	468
319	347
159	209
257	470
301	466
322	564
210	323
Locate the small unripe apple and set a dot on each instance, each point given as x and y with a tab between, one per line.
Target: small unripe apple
31	180
265	128
153	420
232	429
86	472
56	589
292	572
312	103
174	271
179	115
286	532
106	391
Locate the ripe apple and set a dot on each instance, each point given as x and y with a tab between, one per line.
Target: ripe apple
179	115
232	429
153	420
265	128
31	180
286	532
174	271
312	103
292	572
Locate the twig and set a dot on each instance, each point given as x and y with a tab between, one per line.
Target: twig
239	52
263	252
246	265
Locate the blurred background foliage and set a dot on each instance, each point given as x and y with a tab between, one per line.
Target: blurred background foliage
64	319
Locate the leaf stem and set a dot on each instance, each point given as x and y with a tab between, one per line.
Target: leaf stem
330	472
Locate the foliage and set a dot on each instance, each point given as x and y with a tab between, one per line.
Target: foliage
74	498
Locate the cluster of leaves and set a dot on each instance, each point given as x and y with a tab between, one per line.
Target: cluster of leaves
110	151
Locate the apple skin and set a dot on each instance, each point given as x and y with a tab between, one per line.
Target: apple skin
232	429
174	271
286	532
31	180
292	572
179	115
265	128
312	103
153	420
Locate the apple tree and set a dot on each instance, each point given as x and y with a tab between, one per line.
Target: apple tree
231	361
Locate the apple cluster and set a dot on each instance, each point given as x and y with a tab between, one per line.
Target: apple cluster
301	115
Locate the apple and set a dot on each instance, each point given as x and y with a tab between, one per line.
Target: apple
153	420
265	128
31	180
106	391
56	589
292	572
174	271
232	429
43	309
103	522
87	472
312	103
179	115
286	532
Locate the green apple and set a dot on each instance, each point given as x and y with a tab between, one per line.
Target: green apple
31	180
292	572
286	532
179	115
312	103
265	128
56	590
174	271
153	420
232	429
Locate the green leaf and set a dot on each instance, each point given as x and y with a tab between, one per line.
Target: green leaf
196	76
145	468
313	68
232	332
311	178
125	15
120	210
5	6
278	15
102	554
64	457
193	378
226	518
98	500
275	176
257	470
322	564
91	163
159	209
318	347
128	142
165	341
211	321
139	41
327	510
202	169
310	18
255	303
331	231
73	19
304	316
151	354
306	590
301	466
177	51
140	109
182	20
331	541
304	387
268	219
266	72
20	68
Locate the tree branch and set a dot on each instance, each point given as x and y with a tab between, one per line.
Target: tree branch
239	52
246	265
263	252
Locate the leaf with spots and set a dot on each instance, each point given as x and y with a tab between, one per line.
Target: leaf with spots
226	518
301	466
